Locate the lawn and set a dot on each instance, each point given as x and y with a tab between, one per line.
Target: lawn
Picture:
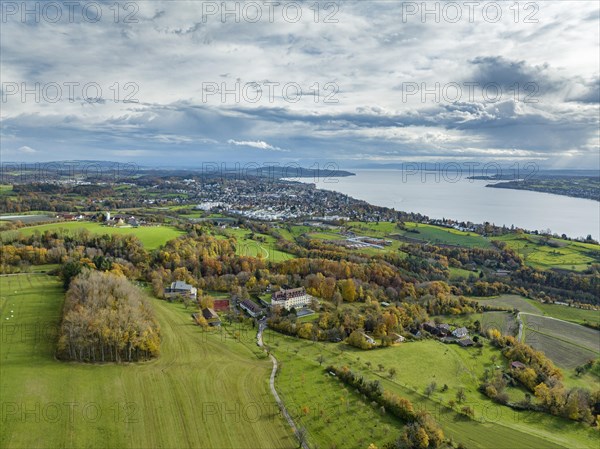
566	344
205	390
417	365
151	237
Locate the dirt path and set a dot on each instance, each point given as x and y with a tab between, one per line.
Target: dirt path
259	340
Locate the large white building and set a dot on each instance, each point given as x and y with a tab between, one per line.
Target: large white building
291	297
181	288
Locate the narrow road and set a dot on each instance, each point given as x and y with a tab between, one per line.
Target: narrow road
261	327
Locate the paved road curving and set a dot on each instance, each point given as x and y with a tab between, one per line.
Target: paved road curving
259	340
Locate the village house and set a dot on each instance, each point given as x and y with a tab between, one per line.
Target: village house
460	332
517	365
180	288
289	298
430	327
465	342
211	317
443	329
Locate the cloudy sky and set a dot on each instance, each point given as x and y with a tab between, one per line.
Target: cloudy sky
182	83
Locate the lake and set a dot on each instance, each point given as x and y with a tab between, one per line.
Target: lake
469	200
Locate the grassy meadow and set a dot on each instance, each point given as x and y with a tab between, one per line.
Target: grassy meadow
564	254
266	248
206	390
559	311
151	237
303	382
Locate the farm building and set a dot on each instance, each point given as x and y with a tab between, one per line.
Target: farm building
211	317
251	308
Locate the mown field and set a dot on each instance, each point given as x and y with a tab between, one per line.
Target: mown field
417	365
151	237
205	391
567	344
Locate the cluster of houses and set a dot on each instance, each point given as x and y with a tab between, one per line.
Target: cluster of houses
109	220
67	216
122	220
460	335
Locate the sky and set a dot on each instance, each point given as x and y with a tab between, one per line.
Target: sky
182	83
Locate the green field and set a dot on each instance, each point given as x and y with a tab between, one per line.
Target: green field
443	236
151	237
573	314
561	312
556	253
510	301
567	344
266	249
563	254
461	273
417	365
205	390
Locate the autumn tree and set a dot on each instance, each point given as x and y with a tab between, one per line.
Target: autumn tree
106	318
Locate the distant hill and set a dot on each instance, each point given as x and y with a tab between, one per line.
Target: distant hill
298	172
